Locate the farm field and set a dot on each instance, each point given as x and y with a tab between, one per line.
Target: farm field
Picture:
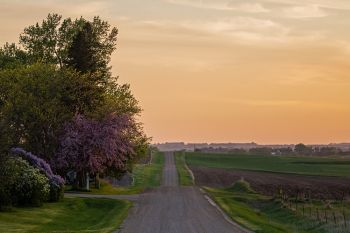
271	183
319	166
69	215
285	194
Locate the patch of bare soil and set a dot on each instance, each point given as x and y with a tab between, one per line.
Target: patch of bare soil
268	183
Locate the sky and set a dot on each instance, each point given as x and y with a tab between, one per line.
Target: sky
268	71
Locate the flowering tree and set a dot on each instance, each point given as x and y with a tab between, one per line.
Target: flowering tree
93	147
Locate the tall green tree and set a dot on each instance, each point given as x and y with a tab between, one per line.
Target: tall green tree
11	56
81	54
84	45
61	70
90	51
49	41
37	100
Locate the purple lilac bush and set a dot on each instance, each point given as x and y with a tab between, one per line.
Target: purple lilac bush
56	182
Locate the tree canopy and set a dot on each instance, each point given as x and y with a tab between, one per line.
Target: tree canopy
56	91
96	146
83	45
302	149
37	100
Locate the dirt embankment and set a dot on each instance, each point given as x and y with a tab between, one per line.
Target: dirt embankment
271	183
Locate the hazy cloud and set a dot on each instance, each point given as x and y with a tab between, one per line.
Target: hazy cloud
241	29
243	6
304	11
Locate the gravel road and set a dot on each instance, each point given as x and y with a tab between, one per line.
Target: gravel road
174	209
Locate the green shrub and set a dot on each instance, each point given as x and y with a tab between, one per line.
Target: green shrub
7	178
56	182
31	187
21	184
56	192
241	186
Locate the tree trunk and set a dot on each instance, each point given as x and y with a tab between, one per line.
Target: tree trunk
76	181
79	180
87	181
97	181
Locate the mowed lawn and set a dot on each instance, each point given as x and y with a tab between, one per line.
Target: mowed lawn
322	166
69	215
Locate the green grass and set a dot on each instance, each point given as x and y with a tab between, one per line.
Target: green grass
148	176
184	175
262	214
281	164
145	176
69	215
108	189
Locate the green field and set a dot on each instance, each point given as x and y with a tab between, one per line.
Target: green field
281	164
265	214
145	176
69	215
185	177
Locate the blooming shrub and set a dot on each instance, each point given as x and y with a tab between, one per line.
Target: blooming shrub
21	184
56	182
31	186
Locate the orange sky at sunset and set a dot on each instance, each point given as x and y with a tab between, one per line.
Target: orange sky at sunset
269	71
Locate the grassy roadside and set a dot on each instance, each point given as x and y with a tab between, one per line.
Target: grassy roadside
108	189
148	176
69	215
185	177
262	214
145	176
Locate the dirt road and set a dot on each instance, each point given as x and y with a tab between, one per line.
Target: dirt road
174	209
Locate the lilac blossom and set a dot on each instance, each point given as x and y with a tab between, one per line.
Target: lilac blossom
40	164
96	146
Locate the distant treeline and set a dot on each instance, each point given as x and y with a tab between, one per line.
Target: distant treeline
299	149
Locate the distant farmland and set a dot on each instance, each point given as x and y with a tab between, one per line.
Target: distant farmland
319	166
277	194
